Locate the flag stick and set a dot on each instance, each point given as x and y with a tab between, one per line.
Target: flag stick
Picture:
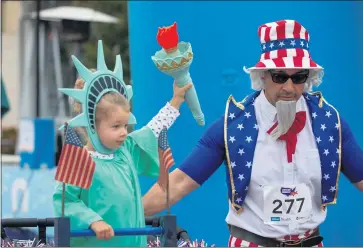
63	193
167	192
63	184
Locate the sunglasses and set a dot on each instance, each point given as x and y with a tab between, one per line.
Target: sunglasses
280	77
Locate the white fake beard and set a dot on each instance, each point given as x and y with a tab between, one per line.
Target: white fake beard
286	112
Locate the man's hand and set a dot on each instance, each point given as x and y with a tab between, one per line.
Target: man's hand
102	230
179	95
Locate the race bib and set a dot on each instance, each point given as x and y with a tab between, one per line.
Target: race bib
287	204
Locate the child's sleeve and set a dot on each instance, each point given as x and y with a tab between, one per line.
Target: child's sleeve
165	118
80	215
143	147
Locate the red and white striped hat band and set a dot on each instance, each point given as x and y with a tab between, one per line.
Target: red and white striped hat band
284	44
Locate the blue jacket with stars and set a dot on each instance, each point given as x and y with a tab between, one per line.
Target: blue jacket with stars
235	134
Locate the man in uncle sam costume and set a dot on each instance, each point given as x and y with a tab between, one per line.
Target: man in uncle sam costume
283	147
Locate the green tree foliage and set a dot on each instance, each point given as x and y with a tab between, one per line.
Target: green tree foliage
114	36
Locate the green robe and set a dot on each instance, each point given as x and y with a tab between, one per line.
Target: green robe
115	194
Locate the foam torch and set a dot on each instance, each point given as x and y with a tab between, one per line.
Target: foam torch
174	59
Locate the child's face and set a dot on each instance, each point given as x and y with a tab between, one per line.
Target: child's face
112	130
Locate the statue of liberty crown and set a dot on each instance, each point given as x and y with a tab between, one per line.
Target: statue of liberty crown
96	85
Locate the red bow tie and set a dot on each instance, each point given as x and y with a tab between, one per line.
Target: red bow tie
291	135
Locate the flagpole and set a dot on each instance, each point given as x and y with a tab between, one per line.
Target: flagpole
63	193
167	192
63	184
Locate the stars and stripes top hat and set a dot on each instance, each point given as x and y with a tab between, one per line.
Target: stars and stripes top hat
284	44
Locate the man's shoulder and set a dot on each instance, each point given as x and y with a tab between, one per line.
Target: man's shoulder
245	102
233	108
317	98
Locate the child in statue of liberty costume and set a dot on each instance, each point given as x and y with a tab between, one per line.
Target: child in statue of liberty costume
114	199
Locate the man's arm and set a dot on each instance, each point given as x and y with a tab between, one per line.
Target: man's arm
203	161
180	184
352	156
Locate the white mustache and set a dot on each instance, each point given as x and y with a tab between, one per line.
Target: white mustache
288	96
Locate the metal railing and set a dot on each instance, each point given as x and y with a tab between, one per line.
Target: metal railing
165	226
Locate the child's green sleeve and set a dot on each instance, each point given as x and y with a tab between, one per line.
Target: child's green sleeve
80	215
143	147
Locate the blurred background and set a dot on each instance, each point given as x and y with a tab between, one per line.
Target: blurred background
39	37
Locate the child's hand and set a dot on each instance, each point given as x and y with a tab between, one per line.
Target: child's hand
179	95
102	230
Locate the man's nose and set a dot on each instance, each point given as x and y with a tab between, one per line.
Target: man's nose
288	86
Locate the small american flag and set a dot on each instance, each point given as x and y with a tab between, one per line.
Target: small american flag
76	165
165	157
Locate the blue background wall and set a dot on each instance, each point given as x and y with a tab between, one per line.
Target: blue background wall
224	39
